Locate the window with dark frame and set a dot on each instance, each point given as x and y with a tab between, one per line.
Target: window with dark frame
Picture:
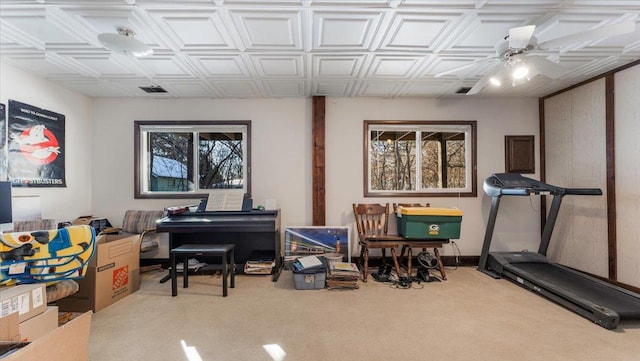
420	158
190	159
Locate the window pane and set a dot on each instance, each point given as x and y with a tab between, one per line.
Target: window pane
443	160
393	161
456	166
221	159
169	162
423	158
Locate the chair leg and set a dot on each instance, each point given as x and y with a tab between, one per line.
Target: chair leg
174	276
224	275
384	258
395	261
366	263
440	265
409	257
233	268
185	272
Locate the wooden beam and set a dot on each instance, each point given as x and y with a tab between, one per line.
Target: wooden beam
612	246
318	161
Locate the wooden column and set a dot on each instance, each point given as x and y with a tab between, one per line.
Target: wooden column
318	161
612	245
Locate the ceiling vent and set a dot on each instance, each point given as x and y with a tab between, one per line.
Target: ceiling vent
463	90
153	89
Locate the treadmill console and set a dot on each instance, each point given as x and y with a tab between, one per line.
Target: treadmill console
514	184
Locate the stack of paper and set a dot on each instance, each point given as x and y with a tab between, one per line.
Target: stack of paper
259	267
342	275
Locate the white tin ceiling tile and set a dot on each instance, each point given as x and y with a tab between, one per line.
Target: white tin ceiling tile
424	88
419	32
169	66
237	89
40	64
279	65
332	88
344	30
104	66
193	30
488	30
393	66
337	65
38	28
379	88
190	89
222	66
284	89
269	29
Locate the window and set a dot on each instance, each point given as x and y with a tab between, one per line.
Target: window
420	158
189	159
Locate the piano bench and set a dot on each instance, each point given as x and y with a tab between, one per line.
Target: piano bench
223	250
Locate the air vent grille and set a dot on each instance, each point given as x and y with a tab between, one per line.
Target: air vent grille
463	90
153	89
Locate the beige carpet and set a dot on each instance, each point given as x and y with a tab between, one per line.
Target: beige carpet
468	317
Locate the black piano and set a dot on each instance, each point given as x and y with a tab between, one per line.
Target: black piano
256	232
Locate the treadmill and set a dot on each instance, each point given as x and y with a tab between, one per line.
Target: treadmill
600	301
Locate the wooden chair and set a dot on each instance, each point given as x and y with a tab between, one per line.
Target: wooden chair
372	222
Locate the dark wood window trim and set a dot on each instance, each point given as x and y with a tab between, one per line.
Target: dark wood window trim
474	165
138	194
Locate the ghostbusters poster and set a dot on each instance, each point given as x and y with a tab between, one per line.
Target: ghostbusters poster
3	142
36	151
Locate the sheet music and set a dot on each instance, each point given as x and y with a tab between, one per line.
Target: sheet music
225	201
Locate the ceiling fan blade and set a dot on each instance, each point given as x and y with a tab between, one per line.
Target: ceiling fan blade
589	35
519	37
546	67
462	67
483	81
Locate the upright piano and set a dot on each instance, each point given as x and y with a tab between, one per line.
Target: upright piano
250	231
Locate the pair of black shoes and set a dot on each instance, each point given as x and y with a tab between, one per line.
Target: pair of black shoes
383	273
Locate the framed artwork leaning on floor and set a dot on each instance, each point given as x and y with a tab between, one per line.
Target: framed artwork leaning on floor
316	240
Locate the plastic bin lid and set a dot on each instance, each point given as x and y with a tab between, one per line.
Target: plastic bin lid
430	211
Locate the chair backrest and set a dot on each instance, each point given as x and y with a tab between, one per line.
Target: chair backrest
140	221
371	219
37	224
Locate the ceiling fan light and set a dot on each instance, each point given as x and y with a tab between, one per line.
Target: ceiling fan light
495	81
520	71
124	42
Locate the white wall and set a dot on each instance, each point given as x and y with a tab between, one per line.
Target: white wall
518	221
627	133
281	155
575	146
61	204
280	145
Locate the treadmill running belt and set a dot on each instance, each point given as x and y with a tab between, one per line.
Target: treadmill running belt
625	305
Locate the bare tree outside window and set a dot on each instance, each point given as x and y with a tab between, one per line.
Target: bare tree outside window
423	158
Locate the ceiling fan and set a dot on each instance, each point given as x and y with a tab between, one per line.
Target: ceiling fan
515	57
125	42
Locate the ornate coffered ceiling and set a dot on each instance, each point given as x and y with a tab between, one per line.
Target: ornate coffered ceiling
302	48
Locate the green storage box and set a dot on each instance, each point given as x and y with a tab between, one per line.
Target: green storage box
429	223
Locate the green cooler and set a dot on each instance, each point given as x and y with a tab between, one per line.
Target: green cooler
428	222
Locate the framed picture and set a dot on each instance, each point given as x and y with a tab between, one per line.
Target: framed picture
316	240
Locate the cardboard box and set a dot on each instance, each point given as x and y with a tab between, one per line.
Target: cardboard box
36	327
69	342
99	224
29	300
113	274
9	328
427	222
